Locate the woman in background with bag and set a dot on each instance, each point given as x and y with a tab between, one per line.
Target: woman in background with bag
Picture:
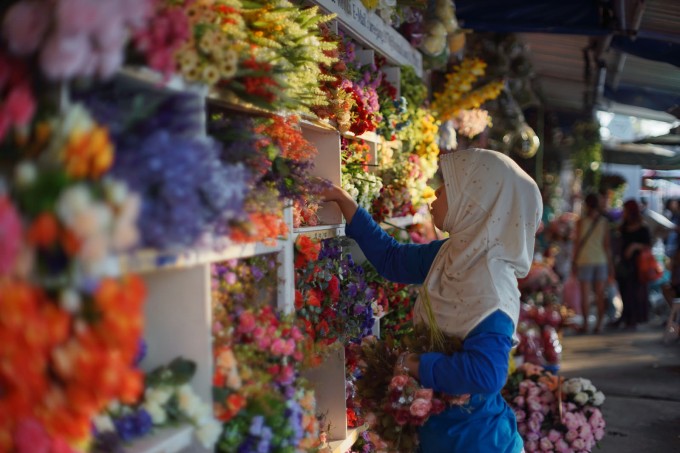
592	262
635	237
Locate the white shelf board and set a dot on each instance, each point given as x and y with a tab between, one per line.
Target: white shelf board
317	125
367	27
166	440
369	136
342	446
158	80
403	222
149	260
321	231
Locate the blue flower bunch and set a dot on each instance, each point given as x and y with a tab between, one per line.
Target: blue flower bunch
133	425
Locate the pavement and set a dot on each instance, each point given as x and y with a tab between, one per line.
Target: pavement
640	377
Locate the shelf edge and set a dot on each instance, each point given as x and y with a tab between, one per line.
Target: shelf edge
164	440
342	446
149	260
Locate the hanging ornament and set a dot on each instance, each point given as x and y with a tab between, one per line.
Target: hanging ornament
524	142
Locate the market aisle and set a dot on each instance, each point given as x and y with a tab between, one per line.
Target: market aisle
640	378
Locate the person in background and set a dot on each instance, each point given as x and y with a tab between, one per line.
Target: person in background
592	262
672	211
634	236
672	289
491	209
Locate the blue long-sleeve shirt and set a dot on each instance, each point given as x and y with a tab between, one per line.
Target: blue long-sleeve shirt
486	423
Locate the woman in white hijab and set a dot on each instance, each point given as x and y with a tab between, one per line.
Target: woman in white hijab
491	209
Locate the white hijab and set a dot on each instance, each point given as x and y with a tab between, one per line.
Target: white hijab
494	209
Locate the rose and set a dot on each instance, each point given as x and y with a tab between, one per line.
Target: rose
438	406
520	415
578	444
534	426
401	417
598	433
545	444
398	382
518	401
562	446
420	407
531	445
246	322
534	403
571	435
554	436
538	416
425	394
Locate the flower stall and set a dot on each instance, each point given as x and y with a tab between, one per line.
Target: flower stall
170	278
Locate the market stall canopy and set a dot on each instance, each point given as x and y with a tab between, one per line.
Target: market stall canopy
589	53
643	154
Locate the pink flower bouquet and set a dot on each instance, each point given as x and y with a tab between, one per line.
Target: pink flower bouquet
552	414
409	403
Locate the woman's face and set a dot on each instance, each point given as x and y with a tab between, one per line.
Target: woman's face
439	207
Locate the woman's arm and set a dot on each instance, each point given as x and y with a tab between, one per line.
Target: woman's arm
347	205
480	367
404	263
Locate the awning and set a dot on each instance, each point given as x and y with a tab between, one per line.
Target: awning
580	17
650	156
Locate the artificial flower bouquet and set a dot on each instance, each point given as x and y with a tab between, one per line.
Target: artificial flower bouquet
395	405
332	299
168	401
554	414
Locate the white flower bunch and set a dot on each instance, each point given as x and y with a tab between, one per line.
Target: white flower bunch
363	187
102	226
582	392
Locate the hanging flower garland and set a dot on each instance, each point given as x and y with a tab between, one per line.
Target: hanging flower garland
340	102
361	84
470	123
458	93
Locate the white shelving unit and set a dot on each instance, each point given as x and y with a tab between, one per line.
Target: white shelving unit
368	28
178	312
168	440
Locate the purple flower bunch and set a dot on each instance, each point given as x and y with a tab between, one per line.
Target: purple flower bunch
186	189
237	283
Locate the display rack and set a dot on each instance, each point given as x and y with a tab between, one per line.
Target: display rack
151	260
368	28
167	440
178	312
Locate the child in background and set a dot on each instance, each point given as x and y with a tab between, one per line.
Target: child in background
491	209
